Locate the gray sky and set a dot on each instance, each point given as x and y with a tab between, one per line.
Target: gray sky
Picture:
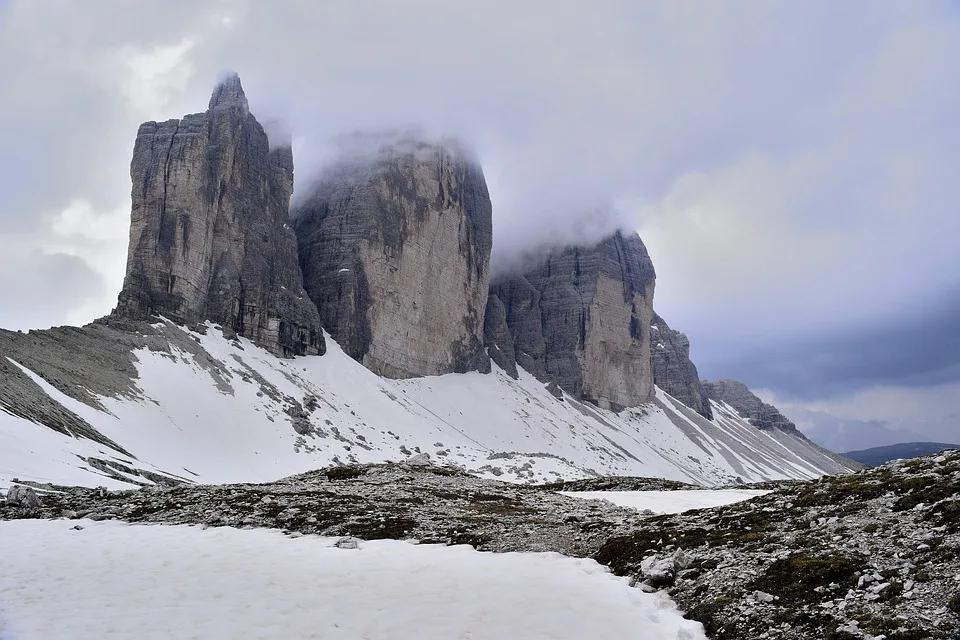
790	165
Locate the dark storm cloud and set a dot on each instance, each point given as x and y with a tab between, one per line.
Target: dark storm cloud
920	349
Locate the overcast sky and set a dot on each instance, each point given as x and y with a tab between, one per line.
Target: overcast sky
790	165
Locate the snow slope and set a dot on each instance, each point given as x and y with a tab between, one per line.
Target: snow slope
670	501
113	580
228	412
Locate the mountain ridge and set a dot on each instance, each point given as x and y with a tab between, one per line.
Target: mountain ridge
364	328
875	456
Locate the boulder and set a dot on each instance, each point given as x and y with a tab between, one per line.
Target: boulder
21	496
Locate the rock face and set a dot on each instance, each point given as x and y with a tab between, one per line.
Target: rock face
760	414
672	369
581	317
208	232
497	338
394	243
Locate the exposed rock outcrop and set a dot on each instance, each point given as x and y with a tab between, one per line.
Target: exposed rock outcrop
209	238
395	242
673	370
497	338
581	317
759	413
21	496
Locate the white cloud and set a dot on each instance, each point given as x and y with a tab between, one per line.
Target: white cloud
155	76
877	416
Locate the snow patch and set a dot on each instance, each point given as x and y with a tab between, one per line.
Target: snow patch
112	580
662	502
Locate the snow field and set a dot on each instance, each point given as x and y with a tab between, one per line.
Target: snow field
670	501
220	417
113	580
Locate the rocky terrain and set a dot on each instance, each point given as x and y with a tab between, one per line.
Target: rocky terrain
874	554
209	238
581	317
394	243
415	500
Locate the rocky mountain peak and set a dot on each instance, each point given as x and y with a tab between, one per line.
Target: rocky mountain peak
394	240
209	238
581	317
228	94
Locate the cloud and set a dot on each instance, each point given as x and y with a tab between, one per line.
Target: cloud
878	416
914	348
45	286
846	434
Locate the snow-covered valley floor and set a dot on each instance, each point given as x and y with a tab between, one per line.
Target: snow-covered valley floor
670	501
116	580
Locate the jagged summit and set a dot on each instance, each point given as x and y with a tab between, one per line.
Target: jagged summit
209	238
228	94
581	317
394	243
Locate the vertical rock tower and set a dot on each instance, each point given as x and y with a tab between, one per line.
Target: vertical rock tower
673	371
394	243
209	238
581	317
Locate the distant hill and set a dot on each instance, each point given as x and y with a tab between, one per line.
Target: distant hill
879	455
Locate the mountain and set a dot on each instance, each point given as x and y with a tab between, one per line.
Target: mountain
879	455
581	317
209	238
394	242
247	345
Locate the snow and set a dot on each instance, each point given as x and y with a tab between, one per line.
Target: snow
670	501
221	417
112	580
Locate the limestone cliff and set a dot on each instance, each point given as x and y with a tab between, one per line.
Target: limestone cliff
673	370
209	238
581	317
497	338
760	414
395	241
